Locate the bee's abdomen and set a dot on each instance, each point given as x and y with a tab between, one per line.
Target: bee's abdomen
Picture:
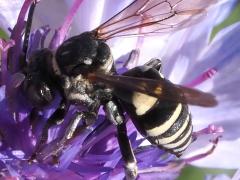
174	133
165	124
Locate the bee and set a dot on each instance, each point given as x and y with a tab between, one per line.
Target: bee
82	71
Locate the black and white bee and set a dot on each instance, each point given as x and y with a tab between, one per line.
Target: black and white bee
82	71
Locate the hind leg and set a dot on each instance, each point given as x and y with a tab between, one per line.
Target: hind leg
154	63
115	115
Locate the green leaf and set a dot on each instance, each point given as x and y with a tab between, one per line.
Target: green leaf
196	173
3	34
231	19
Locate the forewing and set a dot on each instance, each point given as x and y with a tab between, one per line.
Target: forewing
160	88
149	17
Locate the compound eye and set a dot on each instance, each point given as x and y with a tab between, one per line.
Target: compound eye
39	94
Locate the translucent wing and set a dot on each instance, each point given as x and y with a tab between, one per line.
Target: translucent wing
149	17
160	88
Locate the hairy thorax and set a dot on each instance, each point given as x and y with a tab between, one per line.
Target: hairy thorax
78	90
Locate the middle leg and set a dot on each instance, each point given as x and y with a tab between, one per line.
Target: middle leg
115	115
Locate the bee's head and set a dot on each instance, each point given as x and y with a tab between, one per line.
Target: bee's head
82	54
38	92
39	78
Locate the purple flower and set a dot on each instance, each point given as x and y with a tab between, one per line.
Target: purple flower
189	58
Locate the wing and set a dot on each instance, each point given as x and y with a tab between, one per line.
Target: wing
160	88
149	17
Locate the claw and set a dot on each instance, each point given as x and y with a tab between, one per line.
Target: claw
131	171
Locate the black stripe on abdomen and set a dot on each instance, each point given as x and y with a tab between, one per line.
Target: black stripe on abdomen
178	135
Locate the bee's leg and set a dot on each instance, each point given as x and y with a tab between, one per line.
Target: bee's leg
33	115
127	152
27	34
115	115
55	119
154	63
80	122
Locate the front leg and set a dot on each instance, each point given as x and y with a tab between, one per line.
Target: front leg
55	119
80	122
115	115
